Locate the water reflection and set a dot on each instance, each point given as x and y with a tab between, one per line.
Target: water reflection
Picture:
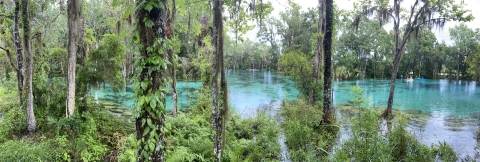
426	95
451	107
471	86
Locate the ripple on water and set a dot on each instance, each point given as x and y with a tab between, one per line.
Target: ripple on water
458	132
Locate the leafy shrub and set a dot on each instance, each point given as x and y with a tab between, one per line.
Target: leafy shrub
50	96
293	64
89	136
127	149
13	123
252	139
306	139
369	143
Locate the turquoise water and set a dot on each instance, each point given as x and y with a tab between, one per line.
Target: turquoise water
186	92
437	96
248	91
251	90
450	106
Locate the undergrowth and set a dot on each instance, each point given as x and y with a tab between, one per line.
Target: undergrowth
189	136
306	138
91	136
373	139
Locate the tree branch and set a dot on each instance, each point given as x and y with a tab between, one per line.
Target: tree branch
9	16
10	59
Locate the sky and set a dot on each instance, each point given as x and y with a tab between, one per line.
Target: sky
442	34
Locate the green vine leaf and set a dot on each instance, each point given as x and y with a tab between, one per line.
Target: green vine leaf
149	23
149	122
148	7
153	104
151	146
145	132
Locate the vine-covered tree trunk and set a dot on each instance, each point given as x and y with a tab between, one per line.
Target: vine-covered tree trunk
31	123
327	43
18	51
74	12
319	55
151	80
219	110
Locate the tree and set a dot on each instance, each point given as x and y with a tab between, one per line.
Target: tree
239	24
465	43
172	57
421	14
75	37
18	51
31	122
319	54
268	34
102	66
150	80
473	62
219	108
418	55
327	74
297	29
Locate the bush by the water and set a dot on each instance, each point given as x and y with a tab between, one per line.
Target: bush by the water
377	140
306	138
371	139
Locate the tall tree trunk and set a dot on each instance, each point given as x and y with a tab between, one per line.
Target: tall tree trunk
458	70
219	110
319	55
189	24
327	43
396	60
151	120
171	58
31	123
223	106
82	53
375	65
74	12
388	112
18	51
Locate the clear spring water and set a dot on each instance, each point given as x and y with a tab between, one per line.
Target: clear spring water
449	105
451	109
250	90
436	96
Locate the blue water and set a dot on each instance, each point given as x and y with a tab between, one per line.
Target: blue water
438	96
250	91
